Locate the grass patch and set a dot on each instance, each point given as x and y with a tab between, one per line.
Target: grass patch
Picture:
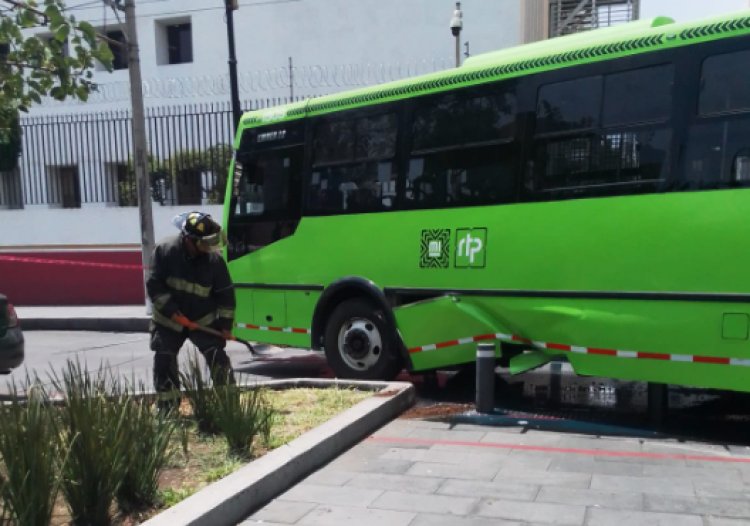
207	459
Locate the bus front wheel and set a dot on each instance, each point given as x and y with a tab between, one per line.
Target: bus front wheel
359	342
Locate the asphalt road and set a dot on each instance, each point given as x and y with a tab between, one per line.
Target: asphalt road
129	357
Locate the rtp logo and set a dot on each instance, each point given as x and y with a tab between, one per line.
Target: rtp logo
471	247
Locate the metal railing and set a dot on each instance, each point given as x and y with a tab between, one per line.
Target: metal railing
69	161
574	16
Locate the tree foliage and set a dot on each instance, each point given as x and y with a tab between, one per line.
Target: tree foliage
45	51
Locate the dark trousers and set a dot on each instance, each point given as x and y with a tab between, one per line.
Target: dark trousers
166	345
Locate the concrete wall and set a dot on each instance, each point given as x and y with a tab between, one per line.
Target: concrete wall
88	256
326	34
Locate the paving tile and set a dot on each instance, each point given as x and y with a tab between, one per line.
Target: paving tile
453	471
728	475
546	478
326	495
722	521
284	512
330	476
732	508
586	443
369	459
590	497
509	489
578	464
650	485
447	435
346	516
559	514
526	439
528	460
428	519
448	455
716	488
438	504
386	481
607	517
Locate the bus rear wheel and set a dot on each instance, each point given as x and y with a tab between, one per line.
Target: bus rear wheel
359	342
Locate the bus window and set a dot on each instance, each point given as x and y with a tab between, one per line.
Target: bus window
568	106
461	118
587	149
356	173
265	204
716	154
725	84
462	149
638	96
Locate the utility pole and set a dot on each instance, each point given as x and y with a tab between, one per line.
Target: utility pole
457	24
231	6
140	148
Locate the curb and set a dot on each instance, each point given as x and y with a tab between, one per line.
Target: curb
236	496
86	324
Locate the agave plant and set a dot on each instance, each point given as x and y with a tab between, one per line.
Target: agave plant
32	457
95	425
242	417
201	395
146	453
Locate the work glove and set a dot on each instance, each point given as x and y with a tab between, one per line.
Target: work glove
184	321
228	336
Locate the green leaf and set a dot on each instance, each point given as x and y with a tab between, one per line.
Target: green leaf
61	35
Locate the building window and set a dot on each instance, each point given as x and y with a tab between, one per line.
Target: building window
65	186
180	43
119	52
174	41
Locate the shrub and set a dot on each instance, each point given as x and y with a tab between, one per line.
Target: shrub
201	396
95	425
242	416
32	457
146	453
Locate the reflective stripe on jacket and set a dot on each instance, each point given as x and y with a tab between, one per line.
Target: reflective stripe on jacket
199	287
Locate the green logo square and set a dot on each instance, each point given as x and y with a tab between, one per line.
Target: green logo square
471	247
435	248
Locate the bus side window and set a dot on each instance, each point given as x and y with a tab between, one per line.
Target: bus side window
717	150
354	169
463	151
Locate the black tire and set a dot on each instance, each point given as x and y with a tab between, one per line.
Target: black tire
360	344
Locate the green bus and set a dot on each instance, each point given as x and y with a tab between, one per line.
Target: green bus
583	198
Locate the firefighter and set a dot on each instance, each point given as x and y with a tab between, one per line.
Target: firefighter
189	287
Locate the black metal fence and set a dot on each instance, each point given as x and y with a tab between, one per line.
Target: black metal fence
75	159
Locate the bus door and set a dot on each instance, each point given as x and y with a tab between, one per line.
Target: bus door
265	208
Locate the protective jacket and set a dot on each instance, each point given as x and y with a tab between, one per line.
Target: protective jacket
199	287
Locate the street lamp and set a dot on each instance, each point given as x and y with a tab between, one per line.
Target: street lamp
457	23
231	6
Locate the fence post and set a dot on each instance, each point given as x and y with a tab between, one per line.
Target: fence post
485	381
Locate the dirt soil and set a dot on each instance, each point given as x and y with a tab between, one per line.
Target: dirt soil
436	411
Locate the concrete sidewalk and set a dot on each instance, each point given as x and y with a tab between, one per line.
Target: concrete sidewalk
102	318
416	472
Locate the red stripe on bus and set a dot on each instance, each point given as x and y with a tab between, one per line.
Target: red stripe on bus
299	331
711	359
557	346
654	355
451	343
603	352
482	337
517	338
415	350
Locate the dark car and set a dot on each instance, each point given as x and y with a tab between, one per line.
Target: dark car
11	337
